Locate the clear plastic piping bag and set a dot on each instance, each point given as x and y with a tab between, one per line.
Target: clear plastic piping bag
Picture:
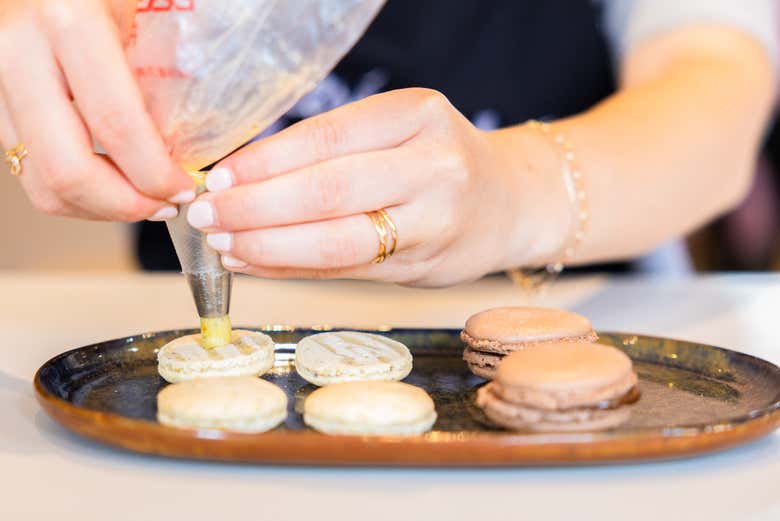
215	73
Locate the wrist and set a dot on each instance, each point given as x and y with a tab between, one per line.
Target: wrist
540	213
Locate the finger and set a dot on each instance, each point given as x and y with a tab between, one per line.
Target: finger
336	188
113	106
324	245
40	197
392	270
368	272
61	170
378	122
8	136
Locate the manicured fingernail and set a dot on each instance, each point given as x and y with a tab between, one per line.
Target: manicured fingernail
220	241
231	262
219	179
201	214
186	196
164	213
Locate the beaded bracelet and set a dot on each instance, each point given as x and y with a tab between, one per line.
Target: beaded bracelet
535	278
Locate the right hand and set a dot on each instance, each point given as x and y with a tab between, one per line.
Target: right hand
55	52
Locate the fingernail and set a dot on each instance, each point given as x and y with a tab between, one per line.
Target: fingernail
219	179
183	197
164	213
220	241
231	262
201	214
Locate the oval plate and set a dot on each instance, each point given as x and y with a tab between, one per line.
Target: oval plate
695	399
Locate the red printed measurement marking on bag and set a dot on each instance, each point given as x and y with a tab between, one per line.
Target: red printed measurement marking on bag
165	5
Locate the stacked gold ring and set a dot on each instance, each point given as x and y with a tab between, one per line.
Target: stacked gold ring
14	156
385	229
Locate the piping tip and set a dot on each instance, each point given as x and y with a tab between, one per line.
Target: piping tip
210	283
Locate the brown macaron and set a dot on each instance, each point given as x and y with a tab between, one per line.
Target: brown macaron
561	386
492	334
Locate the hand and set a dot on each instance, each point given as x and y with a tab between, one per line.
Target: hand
293	205
53	52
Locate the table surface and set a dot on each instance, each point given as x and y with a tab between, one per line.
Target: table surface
46	471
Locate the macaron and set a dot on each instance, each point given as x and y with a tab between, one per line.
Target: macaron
492	334
249	354
561	386
370	408
346	356
236	403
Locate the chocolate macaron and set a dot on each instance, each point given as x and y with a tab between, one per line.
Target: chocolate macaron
561	386
492	334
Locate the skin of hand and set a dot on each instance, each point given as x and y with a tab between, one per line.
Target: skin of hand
671	149
294	205
64	77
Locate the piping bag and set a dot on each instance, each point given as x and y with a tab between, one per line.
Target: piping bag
214	74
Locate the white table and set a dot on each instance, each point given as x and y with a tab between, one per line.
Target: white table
45	471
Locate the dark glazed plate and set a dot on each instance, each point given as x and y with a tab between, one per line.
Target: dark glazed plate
695	399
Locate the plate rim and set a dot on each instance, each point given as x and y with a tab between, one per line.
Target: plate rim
436	448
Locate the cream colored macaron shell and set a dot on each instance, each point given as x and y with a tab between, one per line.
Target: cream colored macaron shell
236	403
250	354
370	408
346	356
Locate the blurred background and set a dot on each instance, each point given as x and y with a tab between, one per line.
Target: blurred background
33	241
747	239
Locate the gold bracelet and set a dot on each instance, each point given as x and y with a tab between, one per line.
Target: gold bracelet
534	279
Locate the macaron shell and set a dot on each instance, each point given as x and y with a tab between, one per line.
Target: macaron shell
245	404
397	372
520	417
565	398
355	429
483	371
370	408
503	348
565	367
344	356
250	354
257	368
482	364
517	325
245	425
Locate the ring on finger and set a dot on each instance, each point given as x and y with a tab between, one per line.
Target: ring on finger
385	229
14	156
381	231
393	231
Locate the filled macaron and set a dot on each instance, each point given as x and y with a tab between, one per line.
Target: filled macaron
492	334
562	386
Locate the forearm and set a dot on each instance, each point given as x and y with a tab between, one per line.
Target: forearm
670	150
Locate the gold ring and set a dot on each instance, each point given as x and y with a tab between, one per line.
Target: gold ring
14	156
381	231
393	231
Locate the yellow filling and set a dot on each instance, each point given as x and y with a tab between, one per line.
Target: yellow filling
198	177
215	332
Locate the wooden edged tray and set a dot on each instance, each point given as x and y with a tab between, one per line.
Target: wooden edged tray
695	399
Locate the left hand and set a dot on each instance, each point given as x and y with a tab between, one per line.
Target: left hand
293	205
